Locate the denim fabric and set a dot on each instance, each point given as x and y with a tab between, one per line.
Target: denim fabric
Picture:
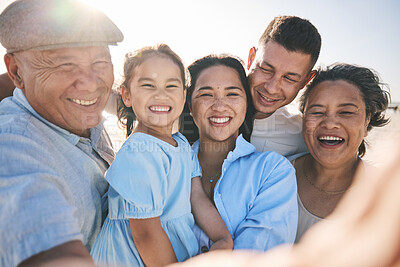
52	183
149	178
256	197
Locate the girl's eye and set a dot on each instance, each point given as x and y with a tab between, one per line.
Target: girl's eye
147	85
172	86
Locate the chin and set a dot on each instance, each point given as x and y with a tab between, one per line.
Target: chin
223	137
266	109
91	121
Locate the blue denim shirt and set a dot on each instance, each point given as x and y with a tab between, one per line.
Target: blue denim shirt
51	182
256	197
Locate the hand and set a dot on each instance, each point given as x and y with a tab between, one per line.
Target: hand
364	230
224	243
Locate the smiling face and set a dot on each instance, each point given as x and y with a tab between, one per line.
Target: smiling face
69	86
335	122
276	76
156	94
218	103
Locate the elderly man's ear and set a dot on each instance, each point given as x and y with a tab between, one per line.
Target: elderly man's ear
13	70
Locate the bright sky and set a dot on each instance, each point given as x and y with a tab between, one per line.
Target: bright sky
363	32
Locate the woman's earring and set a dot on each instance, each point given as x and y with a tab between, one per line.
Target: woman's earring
190	113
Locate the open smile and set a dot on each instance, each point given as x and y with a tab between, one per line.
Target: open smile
267	100
220	121
160	109
84	102
329	141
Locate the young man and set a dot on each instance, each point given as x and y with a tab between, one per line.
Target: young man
54	149
279	67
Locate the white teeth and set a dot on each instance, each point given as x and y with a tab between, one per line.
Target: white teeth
160	108
84	102
330	138
268	99
219	120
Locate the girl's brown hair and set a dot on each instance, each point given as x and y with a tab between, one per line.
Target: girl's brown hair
126	116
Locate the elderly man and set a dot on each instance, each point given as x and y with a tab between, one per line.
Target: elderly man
54	150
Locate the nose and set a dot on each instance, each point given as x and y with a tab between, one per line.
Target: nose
219	104
161	94
87	80
272	85
330	121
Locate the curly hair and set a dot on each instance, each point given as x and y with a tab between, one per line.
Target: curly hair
375	97
126	116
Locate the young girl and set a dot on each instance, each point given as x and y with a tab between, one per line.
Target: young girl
151	179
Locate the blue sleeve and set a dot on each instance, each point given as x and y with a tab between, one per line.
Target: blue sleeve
196	166
34	215
139	175
272	217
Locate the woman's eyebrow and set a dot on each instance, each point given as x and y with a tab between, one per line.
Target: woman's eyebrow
233	87
205	88
348	104
316	106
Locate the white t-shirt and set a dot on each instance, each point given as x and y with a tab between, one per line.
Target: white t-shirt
281	132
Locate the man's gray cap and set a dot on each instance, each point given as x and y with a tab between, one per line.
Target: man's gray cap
51	24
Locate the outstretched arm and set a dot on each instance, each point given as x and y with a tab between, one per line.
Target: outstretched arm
367	215
152	242
208	218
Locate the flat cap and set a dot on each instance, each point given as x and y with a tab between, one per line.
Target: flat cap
51	24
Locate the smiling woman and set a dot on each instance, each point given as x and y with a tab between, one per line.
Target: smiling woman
339	107
242	183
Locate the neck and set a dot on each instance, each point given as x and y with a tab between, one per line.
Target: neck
212	153
85	133
331	179
260	115
162	133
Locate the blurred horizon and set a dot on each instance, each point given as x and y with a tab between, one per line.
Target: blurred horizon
361	32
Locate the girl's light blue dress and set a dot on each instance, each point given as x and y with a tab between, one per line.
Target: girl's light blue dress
148	178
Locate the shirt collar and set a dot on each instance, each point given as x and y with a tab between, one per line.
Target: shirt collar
95	133
242	148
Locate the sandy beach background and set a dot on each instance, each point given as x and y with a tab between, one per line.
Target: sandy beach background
384	140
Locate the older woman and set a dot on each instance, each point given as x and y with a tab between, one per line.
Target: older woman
339	107
255	193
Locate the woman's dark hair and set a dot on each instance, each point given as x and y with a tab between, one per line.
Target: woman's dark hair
187	125
375	98
126	116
